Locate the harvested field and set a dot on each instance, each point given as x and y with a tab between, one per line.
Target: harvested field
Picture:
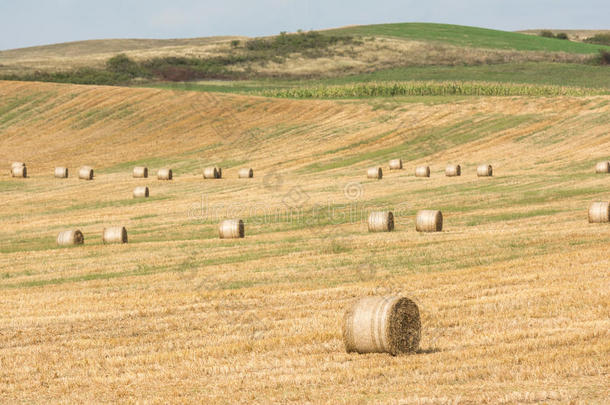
513	295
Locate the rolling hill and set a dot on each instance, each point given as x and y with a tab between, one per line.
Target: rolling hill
513	293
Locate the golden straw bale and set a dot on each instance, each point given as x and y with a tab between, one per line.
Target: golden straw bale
429	221
231	229
396	164
116	234
165	174
140	172
381	221
374	173
382	325
85	173
453	170
599	212
422	171
141	192
71	237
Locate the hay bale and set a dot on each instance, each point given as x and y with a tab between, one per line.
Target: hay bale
422	171
453	170
245	173
485	171
116	234
599	212
429	221
374	173
211	173
602	167
382	325
140	172
61	172
396	164
19	171
71	237
85	173
231	229
165	174
381	221
141	192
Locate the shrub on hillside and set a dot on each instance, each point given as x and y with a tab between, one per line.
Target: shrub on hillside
562	35
121	64
547	34
599	39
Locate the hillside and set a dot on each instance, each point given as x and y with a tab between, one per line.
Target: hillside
513	293
365	49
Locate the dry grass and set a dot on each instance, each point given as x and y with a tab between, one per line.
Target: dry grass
513	294
368	56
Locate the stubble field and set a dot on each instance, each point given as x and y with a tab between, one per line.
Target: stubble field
513	294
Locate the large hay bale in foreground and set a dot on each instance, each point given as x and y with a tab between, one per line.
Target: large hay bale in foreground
211	173
602	167
599	212
374	173
140	172
61	172
396	164
382	325
485	171
429	221
71	237
381	221
422	171
245	173
141	192
453	170
85	173
231	229
165	174
19	171
116	234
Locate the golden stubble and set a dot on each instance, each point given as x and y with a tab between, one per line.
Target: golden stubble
513	293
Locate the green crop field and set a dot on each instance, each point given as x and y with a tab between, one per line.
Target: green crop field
469	36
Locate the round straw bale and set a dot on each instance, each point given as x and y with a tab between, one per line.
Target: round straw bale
485	171
19	171
599	212
374	173
231	229
429	221
61	172
602	167
165	174
141	192
382	325
140	172
381	221
116	234
396	164
85	173
453	170
245	173
211	173
422	171
71	237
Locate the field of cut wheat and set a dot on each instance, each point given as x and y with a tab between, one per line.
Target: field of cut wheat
513	293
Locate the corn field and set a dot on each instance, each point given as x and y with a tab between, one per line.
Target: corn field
392	89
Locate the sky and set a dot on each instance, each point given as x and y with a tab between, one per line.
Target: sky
38	22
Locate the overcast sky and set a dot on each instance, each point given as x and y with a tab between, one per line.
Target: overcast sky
36	22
